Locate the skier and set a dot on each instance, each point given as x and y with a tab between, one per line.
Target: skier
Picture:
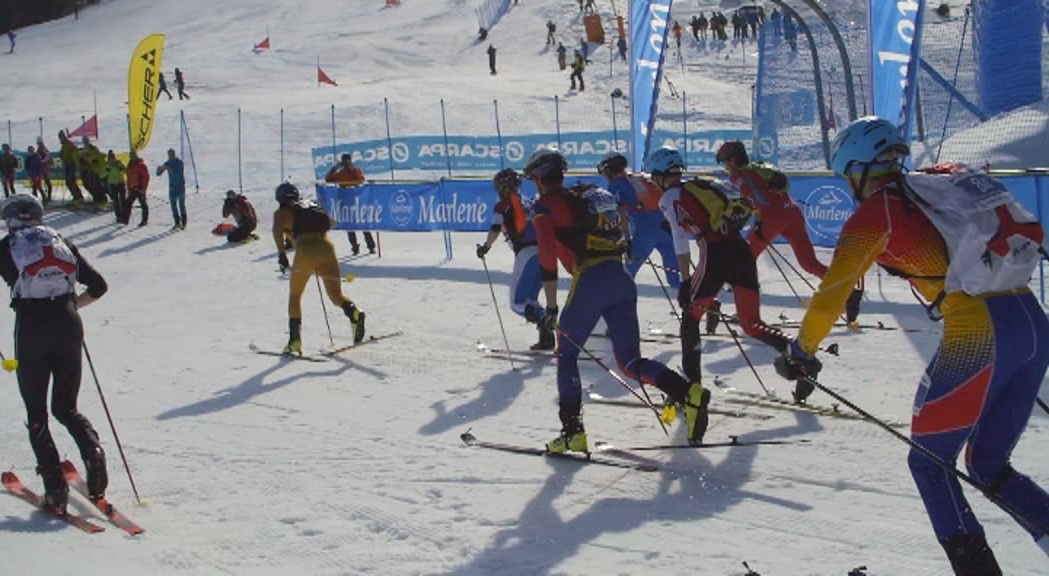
70	156
621	45
512	216
551	29
8	167
582	227
243	213
677	35
137	184
562	56
712	212
34	169
45	166
578	65
306	224
584	49
347	175
113	175
11	36
639	198
162	86
42	270
776	213
176	188
180	85
979	390
491	59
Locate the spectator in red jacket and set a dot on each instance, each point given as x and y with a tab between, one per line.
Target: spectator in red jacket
137	184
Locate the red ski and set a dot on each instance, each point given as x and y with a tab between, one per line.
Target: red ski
77	482
16	488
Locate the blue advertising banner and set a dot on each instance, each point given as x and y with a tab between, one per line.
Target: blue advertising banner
480	154
648	39
21	174
895	49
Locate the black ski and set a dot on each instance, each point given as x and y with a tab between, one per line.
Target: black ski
595	398
583	458
754	399
788	323
365	342
503	354
306	357
734	442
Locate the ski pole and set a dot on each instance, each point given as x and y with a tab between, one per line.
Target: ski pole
324	308
783	274
932	456
498	315
772	248
673	309
8	365
109	417
623	383
1040	403
735	338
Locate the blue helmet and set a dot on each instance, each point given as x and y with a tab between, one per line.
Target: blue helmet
864	140
665	160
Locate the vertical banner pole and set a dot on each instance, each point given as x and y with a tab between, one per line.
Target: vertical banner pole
499	136
448	163
557	118
615	128
389	138
9	142
98	127
281	133
130	140
42	127
684	123
181	134
1039	190
240	170
334	157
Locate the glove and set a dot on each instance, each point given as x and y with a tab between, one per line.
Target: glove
282	261
549	319
757	230
628	250
795	364
684	295
482	249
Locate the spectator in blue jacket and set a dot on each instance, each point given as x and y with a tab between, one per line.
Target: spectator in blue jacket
176	188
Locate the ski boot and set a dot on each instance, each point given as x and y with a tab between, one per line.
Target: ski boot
696	414
546	338
852	307
713	316
571	439
56	491
97	477
356	316
294	337
802	390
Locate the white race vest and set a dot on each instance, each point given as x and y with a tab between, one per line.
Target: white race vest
46	265
989	247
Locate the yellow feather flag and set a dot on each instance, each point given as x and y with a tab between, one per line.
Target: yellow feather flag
142	79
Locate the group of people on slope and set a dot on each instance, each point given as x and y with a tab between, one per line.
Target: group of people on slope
977	400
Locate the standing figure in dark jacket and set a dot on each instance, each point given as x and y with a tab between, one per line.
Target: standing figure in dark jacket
243	213
180	84
8	167
162	86
562	56
491	59
45	166
43	270
34	168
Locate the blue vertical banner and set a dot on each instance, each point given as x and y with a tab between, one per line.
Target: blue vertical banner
648	38
895	49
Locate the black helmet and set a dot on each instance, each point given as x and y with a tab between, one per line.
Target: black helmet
612	163
507	181
544	160
230	194
732	149
287	193
22	209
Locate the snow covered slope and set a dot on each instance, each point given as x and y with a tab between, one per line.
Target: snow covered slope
253	465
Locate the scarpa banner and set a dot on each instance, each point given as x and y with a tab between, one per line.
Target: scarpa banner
481	154
648	38
142	78
895	49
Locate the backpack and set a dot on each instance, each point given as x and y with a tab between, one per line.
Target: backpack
309	217
648	194
596	213
729	211
46	264
993	242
